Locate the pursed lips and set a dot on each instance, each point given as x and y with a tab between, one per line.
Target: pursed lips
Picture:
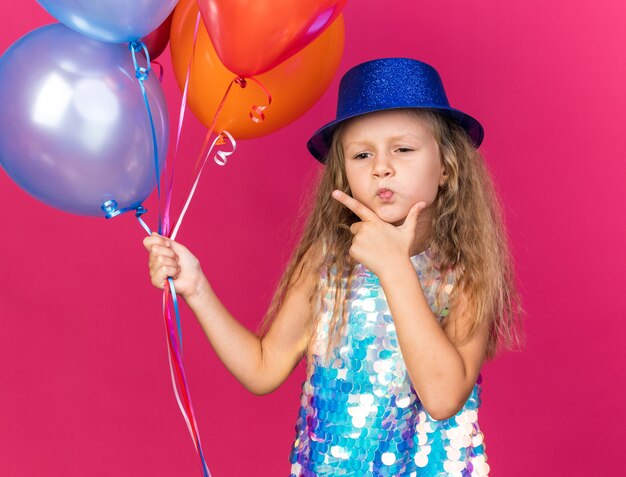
384	193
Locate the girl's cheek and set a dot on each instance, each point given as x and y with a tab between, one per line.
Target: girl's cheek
428	193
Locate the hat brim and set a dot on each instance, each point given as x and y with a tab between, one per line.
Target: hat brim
319	143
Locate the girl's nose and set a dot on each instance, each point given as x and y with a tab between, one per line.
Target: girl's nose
382	166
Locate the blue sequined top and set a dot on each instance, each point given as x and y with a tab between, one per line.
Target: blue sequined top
359	413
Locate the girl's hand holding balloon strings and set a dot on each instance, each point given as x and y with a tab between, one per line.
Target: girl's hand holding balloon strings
171	259
378	245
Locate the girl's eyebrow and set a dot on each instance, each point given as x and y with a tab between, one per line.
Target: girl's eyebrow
404	136
359	142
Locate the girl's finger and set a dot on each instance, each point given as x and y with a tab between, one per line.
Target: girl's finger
362	211
354	228
162	261
411	219
166	272
156	239
158	250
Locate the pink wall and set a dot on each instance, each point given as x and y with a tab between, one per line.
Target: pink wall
86	387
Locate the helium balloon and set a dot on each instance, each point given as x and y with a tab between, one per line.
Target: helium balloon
157	41
110	20
252	37
295	85
74	129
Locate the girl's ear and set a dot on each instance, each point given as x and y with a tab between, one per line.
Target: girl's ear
444	177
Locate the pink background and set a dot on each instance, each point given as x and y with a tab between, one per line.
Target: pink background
85	381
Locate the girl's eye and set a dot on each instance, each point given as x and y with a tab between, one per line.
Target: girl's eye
362	155
404	149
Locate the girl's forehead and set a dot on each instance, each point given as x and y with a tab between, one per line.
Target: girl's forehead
389	123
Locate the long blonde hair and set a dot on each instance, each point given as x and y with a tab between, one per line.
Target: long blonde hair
468	237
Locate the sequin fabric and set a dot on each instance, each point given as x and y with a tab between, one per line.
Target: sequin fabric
359	413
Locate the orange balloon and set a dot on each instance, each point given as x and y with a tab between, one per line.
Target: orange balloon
295	85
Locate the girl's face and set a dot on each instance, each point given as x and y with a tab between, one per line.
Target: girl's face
392	162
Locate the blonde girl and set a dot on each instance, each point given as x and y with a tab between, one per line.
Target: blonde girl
401	286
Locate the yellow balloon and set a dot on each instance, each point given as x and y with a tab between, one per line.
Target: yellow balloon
294	85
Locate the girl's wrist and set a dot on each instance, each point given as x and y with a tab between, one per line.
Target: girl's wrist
394	268
200	293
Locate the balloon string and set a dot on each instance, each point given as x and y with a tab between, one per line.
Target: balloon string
200	162
239	81
178	376
177	369
138	213
181	117
177	311
256	114
141	73
177	372
175	357
221	161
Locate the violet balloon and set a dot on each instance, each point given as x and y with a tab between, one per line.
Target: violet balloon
74	129
110	20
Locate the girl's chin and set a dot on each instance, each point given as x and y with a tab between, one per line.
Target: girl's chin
398	223
394	219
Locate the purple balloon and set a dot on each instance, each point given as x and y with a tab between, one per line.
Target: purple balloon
74	129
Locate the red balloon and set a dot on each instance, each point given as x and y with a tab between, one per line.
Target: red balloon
157	40
253	36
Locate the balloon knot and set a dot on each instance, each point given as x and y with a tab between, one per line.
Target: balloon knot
141	73
135	46
241	81
110	208
140	210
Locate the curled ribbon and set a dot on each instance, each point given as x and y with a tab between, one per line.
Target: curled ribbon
221	157
111	210
256	113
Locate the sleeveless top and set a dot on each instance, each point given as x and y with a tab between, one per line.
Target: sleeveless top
359	413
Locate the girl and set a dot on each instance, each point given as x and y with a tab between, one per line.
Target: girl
400	287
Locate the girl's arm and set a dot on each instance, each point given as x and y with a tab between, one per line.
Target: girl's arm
443	375
260	364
